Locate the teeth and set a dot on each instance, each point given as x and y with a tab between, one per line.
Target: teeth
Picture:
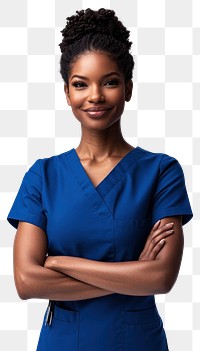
96	112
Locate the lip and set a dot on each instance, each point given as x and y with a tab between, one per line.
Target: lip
97	111
97	108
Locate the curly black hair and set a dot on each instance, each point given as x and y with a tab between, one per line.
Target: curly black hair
99	31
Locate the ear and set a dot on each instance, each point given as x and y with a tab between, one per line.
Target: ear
129	88
66	90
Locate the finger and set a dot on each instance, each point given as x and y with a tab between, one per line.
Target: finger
153	253
163	228
154	241
157	230
162	234
157	233
157	236
153	230
157	249
150	240
156	225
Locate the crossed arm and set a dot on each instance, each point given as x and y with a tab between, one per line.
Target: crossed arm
74	278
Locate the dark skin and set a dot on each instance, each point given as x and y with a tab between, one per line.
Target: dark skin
102	144
35	279
101	148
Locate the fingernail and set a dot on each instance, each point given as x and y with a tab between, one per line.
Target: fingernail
162	241
169	224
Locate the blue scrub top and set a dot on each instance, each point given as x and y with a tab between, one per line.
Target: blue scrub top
109	222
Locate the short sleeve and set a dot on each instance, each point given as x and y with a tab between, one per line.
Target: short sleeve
170	196
28	206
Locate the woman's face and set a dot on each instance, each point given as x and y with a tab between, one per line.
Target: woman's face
97	90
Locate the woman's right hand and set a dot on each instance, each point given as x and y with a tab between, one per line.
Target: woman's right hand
155	241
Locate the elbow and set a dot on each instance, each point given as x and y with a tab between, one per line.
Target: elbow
22	295
165	288
21	284
166	284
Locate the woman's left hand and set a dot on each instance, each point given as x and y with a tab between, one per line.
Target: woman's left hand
155	241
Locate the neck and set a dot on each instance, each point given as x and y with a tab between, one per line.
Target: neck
101	143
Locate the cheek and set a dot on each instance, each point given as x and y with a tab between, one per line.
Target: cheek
77	99
116	96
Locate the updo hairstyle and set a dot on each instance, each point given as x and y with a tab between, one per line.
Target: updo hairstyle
97	31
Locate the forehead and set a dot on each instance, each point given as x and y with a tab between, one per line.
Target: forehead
94	65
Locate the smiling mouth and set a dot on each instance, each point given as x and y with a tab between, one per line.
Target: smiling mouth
97	113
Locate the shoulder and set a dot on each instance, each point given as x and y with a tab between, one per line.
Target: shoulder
159	160
50	164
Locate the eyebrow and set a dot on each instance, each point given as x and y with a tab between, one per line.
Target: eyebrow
104	76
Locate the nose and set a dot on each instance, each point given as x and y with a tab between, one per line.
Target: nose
95	94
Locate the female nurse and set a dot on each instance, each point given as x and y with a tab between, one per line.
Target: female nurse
99	227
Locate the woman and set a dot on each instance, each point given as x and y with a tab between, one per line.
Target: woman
109	215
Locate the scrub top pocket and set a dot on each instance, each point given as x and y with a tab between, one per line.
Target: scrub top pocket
62	334
143	330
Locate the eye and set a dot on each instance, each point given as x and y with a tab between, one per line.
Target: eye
112	82
78	84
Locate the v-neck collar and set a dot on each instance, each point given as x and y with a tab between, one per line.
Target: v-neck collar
114	171
97	195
